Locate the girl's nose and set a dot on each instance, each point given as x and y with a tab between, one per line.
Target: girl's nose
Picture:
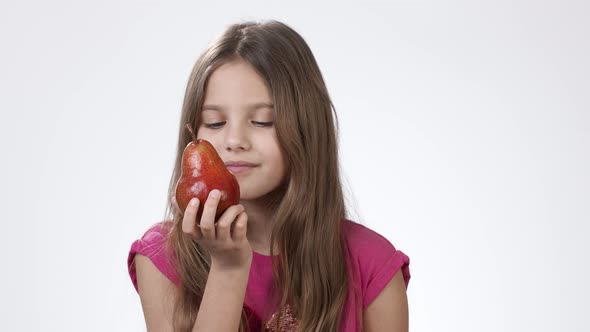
236	138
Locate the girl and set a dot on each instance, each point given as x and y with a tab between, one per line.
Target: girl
286	258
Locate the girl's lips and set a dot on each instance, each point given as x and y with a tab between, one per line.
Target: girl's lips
239	169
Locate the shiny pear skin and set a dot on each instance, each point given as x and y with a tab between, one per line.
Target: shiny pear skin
202	171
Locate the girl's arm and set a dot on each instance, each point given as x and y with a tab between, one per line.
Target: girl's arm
157	295
223	299
389	310
231	257
221	306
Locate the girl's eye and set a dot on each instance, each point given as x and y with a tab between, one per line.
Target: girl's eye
262	124
218	125
214	125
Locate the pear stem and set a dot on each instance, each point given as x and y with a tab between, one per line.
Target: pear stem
192	133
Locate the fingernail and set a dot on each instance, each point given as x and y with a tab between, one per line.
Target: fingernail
215	193
193	202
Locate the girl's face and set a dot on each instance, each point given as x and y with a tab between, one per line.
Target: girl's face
238	120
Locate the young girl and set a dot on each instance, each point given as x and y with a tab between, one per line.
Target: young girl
286	258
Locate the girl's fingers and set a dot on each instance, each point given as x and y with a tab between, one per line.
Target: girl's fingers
240	227
232	225
189	219
207	222
226	220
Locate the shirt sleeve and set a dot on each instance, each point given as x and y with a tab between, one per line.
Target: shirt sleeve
382	274
378	261
152	245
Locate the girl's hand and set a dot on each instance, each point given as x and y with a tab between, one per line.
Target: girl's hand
224	239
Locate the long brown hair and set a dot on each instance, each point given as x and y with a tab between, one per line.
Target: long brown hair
311	271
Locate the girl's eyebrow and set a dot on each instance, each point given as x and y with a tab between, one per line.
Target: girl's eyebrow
250	107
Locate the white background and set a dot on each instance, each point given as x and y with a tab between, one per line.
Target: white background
465	137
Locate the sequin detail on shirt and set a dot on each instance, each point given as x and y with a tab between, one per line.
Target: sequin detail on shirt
288	321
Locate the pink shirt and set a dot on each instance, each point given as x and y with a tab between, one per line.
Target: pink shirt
374	262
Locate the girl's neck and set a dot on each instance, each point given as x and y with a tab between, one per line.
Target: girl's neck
261	220
260	223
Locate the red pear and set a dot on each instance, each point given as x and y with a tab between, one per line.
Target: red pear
202	171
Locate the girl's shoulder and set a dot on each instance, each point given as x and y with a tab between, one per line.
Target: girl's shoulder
152	244
362	238
374	260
